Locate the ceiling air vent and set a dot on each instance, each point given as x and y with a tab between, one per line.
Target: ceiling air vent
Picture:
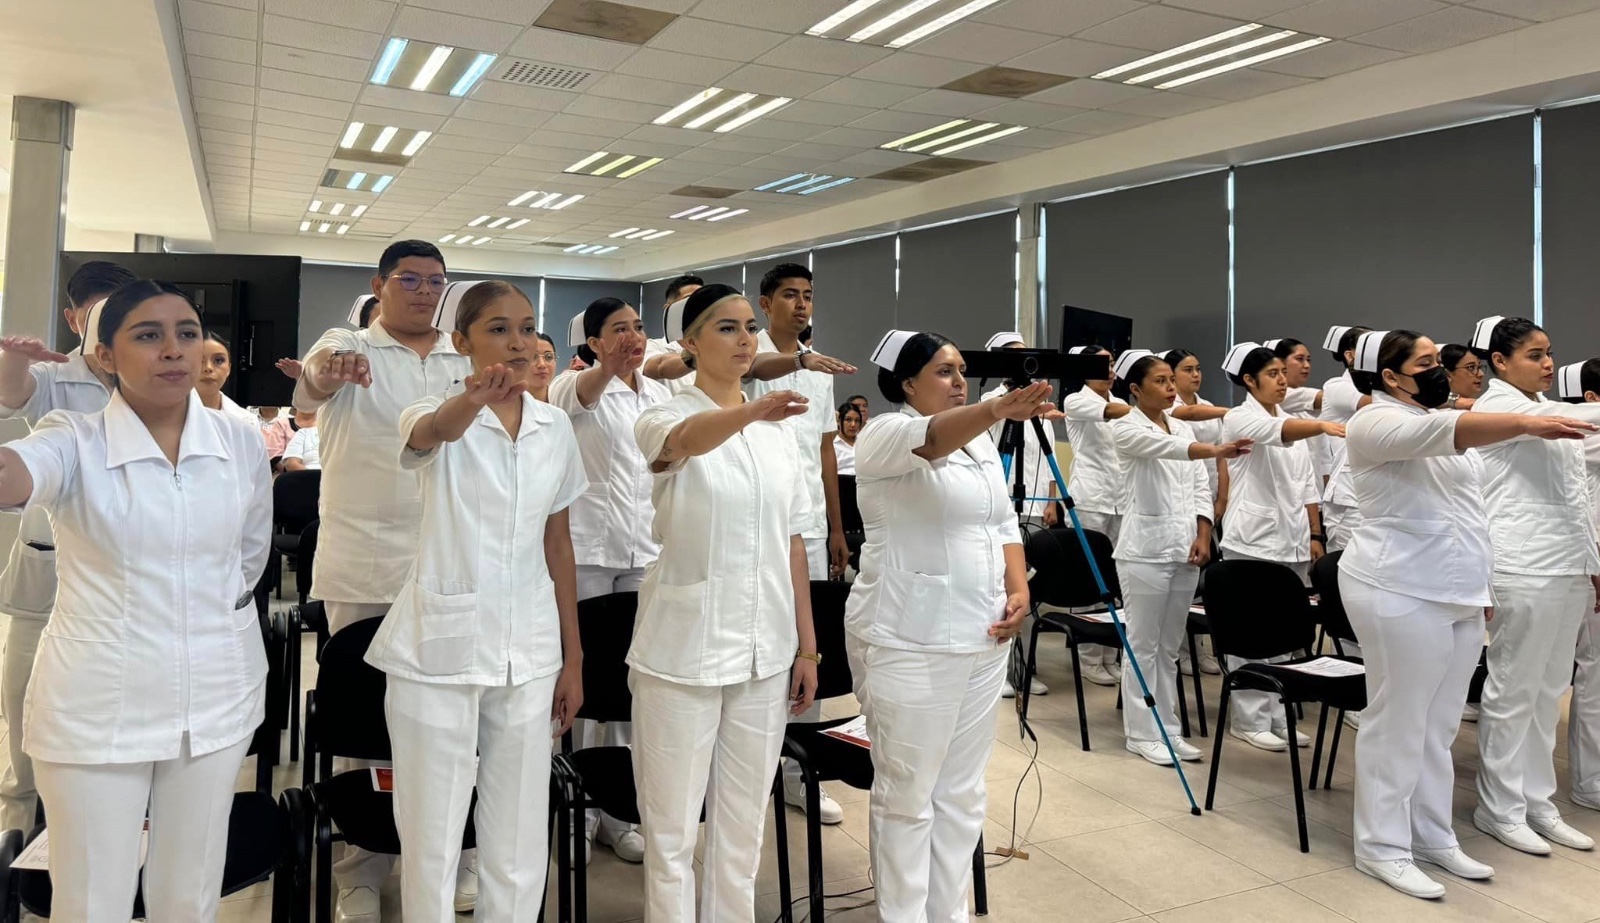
705	192
534	74
932	168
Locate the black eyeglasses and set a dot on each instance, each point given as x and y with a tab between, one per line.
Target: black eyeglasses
410	281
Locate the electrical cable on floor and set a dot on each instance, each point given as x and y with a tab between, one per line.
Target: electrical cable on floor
829	897
1007	853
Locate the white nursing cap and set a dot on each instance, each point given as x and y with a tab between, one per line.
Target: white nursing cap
1124	363
1234	361
450	303
91	328
1002	340
1484	331
1368	345
888	351
674	320
1273	344
1569	381
1081	350
355	309
1331	341
575	335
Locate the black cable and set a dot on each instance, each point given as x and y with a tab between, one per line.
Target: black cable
828	897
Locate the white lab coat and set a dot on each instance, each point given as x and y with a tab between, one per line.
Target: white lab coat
1541	524
808	430
1208	431
926	671
154	637
845	454
1414	581
306	445
611	521
371	508
231	408
660	347
1583	720
1340	515
1097	482
1037	477
1301	402
1268	489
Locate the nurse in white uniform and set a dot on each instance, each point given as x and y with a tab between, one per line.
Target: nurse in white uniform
151	676
1466	374
1205	419
481	646
35	380
1340	401
1302	401
611	521
1415	582
1098	485
723	649
215	367
1165	540
943	589
1545	558
1579	383
844	441
1272	507
664	358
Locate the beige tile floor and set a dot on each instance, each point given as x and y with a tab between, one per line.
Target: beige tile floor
1112	840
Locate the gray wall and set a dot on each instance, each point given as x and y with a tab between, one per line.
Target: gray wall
960	279
567	298
855	306
1572	231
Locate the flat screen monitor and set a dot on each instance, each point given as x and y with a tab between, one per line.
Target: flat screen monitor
1083	327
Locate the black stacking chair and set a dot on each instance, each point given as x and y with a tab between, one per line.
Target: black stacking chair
827	759
1062	578
10	904
294	506
307	616
1197	625
1336	625
345	717
1258	611
855	533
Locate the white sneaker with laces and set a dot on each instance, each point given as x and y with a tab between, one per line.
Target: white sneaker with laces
1261	740
1403	876
1007	691
1300	740
466	889
628	845
1098	674
1186	751
1561	833
1154	751
1456	862
1352	720
828	810
1520	837
357	905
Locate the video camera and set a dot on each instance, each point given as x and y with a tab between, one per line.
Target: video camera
1019	367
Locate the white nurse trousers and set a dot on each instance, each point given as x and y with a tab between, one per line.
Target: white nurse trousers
1420	657
448	738
711	745
19	799
931	719
1583	721
1155	600
1532	641
1109	525
593	581
1251	712
96	813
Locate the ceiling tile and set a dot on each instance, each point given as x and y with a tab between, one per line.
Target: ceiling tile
551	47
947	103
229	92
666	134
299	120
218	20
1101	122
307	85
299	33
790	16
366	15
1055	17
601	107
708	155
1251	10
221	71
521	12
716	39
825	153
1075	58
1247	83
759	78
898	122
823	56
221	136
816	113
1163	105
453	29
224	108
857	138
585	125
1344	18
209	45
510	94
917	70
869	93
982	43
1447	28
494	131
291	133
400	118
782	131
406	98
638	89
1538	10
1045	139
316	63
1330	59
681	68
295	102
294	147
1026	112
1089	94
1155	28
748	144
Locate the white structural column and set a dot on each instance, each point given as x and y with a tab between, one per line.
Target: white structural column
1032	320
41	145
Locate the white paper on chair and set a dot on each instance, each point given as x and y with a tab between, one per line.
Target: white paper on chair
36	856
1328	666
1102	617
853	731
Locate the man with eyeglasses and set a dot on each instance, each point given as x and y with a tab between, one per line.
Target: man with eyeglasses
358	381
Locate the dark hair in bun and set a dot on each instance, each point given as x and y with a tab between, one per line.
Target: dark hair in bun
914	357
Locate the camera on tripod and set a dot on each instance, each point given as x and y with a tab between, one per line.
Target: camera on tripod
1020	367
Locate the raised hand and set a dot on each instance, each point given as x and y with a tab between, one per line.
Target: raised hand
817	362
1023	403
614	360
31	347
1557	427
343	368
776	406
493	385
293	368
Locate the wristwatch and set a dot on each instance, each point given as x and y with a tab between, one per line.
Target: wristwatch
814	658
800	358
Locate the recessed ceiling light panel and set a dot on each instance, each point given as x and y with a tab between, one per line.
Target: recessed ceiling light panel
896	23
430	68
1228	50
721	111
381	144
356	181
954	135
539	198
609	163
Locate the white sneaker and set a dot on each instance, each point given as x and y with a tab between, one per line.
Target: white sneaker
1007	691
1456	862
1209	665
1154	751
1470	713
1186	751
357	905
466	890
628	845
1098	674
1352	720
1517	836
1403	876
1561	833
828	810
1185	667
1300	740
1592	802
1261	740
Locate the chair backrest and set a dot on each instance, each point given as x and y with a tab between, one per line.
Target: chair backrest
294	499
306	555
1330	602
1061	570
350	716
827	620
605	628
849	510
1257	610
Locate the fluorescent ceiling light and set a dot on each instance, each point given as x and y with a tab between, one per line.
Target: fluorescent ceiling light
809	180
350	133
359	211
416	143
624	232
477	221
592	248
482	240
658	235
524	197
1243	62
546	201
574	248
382	183
498	221
639	167
565	202
671	115
892	145
891	20
587	160
714	211
1187	63
386	63
1174	52
607	168
479	67
935	25
734	213
944	139
447	238
638	234
342	229
981	139
430	68
756	113
844	15
838	182
316	204
305	225
689	211
323	227
384	137
356	181
779	182
338	208
516	224
604	250
720	111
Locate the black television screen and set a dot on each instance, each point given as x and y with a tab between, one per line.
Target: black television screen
1083	327
253	302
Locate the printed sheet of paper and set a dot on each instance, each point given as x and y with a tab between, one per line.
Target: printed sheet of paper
854	731
1328	666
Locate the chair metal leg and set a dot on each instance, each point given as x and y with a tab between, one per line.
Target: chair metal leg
561	818
580	858
1183	705
1024	694
1199	692
1294	768
324	868
780	830
294	687
1077	686
1333	749
980	881
1216	745
814	842
1316	751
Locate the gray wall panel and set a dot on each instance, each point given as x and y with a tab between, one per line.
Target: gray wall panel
960	279
1572	231
855	306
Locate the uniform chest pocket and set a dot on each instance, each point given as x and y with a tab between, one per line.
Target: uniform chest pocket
1250	524
446	631
916	606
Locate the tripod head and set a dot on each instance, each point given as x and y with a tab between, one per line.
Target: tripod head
1019	367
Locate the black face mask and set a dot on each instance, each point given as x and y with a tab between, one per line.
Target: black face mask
1433	387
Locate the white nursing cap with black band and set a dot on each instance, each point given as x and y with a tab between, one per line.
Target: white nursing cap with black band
674	320
1569	381
575	335
888	351
1002	340
1234	361
1273	344
355	309
1125	362
91	327
1484	332
1368	346
1081	350
1331	341
450	303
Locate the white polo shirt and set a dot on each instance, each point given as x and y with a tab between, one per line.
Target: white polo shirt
1097	482
154	633
478	606
1268	489
807	429
1168	493
718	607
371	509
